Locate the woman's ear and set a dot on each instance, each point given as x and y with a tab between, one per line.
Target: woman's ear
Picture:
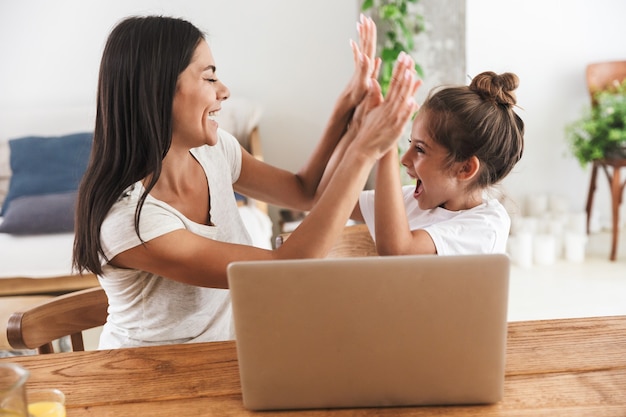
469	169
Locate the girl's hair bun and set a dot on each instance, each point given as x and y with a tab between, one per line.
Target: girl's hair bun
498	88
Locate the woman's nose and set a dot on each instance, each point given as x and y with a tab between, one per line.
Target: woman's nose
223	92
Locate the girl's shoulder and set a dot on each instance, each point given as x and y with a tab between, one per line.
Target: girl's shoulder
491	206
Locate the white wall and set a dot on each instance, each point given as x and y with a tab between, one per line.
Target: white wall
548	44
293	58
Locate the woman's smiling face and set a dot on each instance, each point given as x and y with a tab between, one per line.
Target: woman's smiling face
198	98
426	161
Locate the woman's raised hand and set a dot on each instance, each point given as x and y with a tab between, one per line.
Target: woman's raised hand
366	64
372	99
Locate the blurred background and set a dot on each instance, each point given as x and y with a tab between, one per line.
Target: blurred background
293	58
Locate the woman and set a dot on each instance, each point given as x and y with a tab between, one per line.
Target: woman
156	217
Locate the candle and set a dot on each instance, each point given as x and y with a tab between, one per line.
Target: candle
575	244
536	204
544	249
521	249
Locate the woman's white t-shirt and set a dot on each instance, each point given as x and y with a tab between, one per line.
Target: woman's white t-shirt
147	309
482	229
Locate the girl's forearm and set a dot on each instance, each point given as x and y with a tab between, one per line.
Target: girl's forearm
392	228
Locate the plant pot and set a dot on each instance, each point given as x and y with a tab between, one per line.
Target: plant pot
619	152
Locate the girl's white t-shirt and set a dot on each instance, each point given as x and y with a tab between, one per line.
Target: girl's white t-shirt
480	230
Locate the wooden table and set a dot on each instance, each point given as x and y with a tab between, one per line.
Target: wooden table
573	367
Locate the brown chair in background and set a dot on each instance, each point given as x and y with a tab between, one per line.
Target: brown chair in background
64	315
354	241
601	76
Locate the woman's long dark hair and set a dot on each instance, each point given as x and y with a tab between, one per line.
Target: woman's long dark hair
142	60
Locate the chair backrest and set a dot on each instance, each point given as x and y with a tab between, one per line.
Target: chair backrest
65	315
603	75
354	241
9	305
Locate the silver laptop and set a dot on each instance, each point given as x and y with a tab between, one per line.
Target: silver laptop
370	332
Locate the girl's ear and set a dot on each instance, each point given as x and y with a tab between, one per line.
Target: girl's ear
469	169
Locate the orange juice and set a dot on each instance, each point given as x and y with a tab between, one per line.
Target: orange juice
46	409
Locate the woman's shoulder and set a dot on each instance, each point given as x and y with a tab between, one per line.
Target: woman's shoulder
125	207
157	218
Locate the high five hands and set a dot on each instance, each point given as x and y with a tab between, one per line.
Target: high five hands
384	120
379	122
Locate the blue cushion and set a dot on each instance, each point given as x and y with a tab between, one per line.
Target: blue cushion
40	214
47	165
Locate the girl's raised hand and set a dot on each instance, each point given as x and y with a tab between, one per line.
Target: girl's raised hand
384	124
404	82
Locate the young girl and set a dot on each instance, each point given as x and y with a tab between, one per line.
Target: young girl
463	140
156	217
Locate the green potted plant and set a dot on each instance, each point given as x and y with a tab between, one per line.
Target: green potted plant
601	132
400	24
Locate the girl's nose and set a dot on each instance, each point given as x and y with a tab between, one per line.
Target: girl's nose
404	160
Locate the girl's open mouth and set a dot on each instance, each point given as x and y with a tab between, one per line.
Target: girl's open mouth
418	188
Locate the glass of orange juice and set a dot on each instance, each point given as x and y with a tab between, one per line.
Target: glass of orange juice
13	390
46	403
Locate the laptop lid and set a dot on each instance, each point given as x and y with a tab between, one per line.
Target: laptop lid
370	332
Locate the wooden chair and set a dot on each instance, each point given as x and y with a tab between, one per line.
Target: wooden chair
10	304
600	76
354	241
64	315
